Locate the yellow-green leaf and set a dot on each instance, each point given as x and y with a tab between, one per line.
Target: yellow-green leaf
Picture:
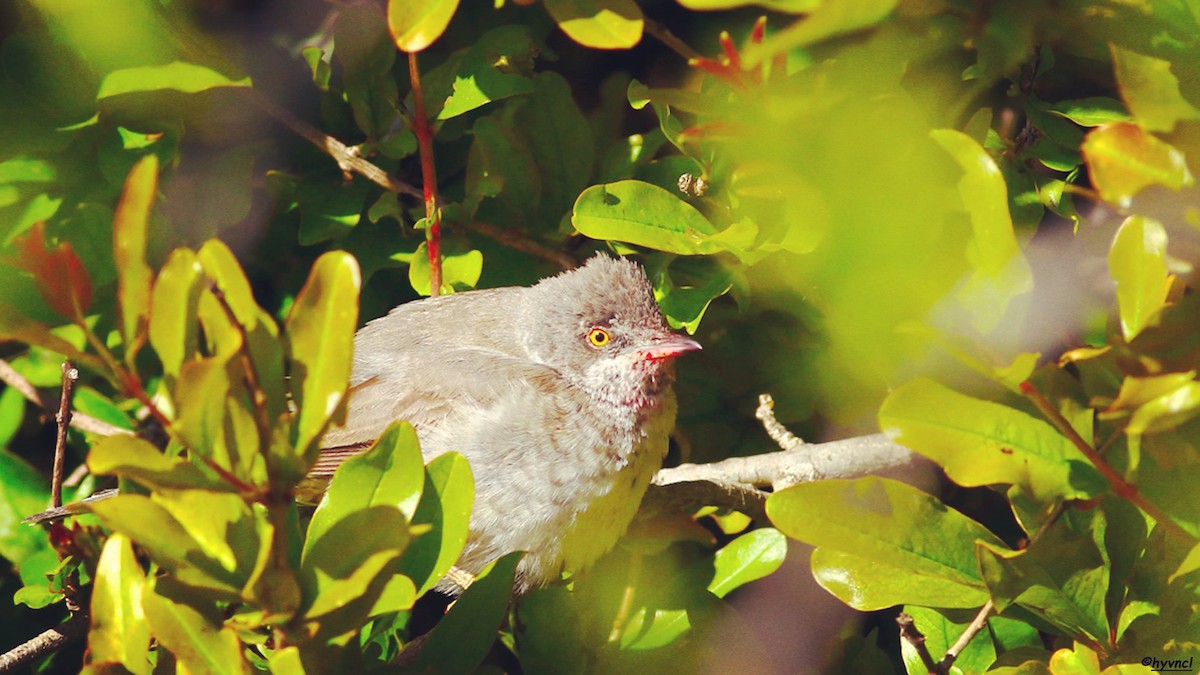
1122	159
1000	272
188	78
982	443
415	24
883	542
119	633
1137	263
199	644
1150	90
599	24
173	305
320	338
644	215
130	225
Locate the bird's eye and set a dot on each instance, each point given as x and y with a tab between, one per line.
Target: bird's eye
598	338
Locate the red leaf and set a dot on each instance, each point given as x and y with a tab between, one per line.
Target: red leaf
62	280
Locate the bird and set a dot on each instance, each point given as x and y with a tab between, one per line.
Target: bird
559	395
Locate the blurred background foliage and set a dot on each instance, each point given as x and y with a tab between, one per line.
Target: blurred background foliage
836	198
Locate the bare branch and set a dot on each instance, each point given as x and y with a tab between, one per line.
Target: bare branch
969	634
908	631
63	418
72	630
778	433
523	244
79	421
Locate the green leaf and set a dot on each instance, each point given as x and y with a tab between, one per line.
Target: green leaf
940	634
1122	159
1000	272
1137	263
684	306
188	78
173	306
1091	111
981	443
135	459
492	69
222	525
881	542
25	492
346	570
465	635
599	24
415	24
445	507
787	6
644	215
1062	579
130	226
460	271
198	644
751	556
320	333
15	325
560	140
166	541
391	472
119	633
1150	90
501	165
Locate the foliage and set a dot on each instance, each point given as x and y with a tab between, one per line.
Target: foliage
852	204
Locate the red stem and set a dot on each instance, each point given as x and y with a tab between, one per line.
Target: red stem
433	231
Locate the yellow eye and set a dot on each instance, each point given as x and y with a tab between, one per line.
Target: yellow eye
598	338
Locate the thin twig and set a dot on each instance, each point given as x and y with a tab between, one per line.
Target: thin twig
661	33
908	631
433	217
520	243
347	158
258	397
969	634
71	630
70	375
79	421
1120	486
778	433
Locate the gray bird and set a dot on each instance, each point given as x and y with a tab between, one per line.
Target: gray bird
558	394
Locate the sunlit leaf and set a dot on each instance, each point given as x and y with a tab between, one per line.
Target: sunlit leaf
1137	263
789	6
645	215
173	327
391	472
1122	159
492	69
119	633
25	492
751	556
1000	271
130	227
198	643
1091	111
136	459
981	443
415	24
1150	90
881	542
320	333
188	78
445	507
599	24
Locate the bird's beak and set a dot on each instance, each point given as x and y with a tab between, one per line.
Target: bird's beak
669	346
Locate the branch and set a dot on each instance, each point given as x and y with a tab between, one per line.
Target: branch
665	36
908	631
71	630
519	243
433	217
969	634
63	418
78	421
347	158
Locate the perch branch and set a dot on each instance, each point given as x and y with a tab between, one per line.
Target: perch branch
63	418
69	631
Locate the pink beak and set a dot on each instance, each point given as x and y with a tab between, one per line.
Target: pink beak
670	346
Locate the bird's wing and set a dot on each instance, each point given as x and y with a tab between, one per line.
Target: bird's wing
464	380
